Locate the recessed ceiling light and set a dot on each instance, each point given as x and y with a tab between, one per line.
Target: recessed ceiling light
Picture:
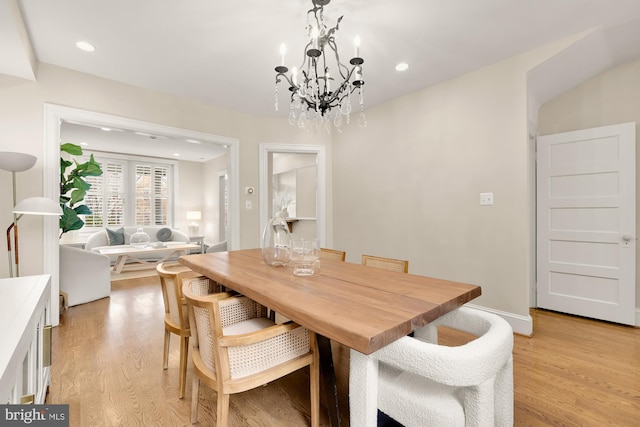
176	154
402	66
87	47
106	129
193	141
84	143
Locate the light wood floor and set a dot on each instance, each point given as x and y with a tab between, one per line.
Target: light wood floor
107	365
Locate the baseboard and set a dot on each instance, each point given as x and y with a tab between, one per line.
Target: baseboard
522	325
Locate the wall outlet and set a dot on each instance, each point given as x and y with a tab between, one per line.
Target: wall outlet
248	204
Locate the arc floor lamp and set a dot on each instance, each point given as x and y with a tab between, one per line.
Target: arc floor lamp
19	162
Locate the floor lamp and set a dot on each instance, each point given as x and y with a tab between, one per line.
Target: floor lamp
31	206
15	162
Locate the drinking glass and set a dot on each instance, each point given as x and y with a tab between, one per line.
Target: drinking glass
304	256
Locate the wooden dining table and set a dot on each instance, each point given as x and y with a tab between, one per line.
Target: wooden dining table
363	308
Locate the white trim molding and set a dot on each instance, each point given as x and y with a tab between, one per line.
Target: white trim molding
319	151
54	115
522	325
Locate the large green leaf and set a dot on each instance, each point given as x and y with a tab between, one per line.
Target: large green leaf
74	150
82	210
69	220
77	196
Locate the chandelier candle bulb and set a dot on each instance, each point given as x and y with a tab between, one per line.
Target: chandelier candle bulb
283	51
356	42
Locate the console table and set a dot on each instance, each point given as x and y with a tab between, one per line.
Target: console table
25	339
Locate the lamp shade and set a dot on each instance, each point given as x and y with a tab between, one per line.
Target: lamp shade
37	206
194	215
16	162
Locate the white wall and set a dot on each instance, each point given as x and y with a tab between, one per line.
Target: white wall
21	129
611	97
408	186
190	193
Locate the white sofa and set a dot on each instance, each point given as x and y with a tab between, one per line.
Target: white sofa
99	240
85	276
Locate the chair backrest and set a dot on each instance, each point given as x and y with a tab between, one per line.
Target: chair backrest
171	283
390	264
478	375
230	336
333	254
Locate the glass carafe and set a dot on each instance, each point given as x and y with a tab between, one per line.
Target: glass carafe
276	242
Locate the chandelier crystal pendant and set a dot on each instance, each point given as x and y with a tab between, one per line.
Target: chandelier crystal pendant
321	87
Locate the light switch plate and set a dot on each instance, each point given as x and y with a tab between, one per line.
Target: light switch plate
486	199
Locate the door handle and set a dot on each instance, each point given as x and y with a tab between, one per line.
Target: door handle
626	238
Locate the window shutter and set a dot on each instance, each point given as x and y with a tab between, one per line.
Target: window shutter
150	185
143	194
105	198
161	194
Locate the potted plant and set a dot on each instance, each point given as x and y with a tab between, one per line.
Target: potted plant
73	187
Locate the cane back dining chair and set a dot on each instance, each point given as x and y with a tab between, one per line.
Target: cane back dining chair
236	347
399	265
418	382
176	320
326	253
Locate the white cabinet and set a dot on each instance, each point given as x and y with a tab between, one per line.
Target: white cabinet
25	339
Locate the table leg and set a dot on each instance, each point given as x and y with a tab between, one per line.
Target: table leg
117	267
328	379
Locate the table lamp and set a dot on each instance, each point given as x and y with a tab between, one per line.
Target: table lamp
193	226
30	206
15	162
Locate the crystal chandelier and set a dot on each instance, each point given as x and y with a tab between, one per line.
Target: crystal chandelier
321	88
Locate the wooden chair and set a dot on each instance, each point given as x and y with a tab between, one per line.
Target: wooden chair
418	382
236	347
390	264
332	254
176	320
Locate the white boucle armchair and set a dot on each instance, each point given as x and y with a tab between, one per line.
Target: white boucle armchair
420	383
84	276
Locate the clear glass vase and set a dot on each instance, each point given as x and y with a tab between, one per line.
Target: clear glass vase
139	238
276	242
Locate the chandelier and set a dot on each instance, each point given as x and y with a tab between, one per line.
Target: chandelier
321	88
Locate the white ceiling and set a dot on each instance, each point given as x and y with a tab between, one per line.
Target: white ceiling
224	52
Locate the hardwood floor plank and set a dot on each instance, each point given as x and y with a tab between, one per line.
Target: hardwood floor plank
107	365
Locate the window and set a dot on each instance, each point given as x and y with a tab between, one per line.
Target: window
150	184
152	194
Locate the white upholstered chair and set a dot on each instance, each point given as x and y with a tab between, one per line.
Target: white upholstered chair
236	347
84	276
420	383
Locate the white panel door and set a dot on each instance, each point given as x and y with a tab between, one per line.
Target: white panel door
586	245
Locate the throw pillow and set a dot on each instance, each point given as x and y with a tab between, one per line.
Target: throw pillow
115	237
164	234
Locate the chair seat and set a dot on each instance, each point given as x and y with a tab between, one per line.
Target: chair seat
247	326
417	401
